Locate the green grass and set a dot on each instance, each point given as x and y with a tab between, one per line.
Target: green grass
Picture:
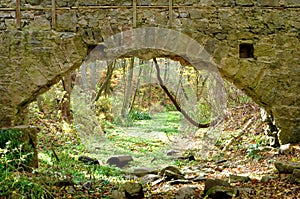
167	122
139	141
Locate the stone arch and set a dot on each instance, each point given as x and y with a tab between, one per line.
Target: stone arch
161	42
158	41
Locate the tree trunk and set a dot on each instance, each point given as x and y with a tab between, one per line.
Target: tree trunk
186	116
66	103
106	84
137	88
127	91
150	87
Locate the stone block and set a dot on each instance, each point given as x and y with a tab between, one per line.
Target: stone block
264	50
34	2
39	23
244	2
296	176
292	3
65	3
67	22
184	2
268	3
119	161
289	133
224	2
90	3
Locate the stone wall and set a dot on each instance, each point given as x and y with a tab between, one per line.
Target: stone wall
255	45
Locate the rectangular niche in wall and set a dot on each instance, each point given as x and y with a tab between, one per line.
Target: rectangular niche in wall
246	50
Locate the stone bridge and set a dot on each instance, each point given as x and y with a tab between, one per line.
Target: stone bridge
252	43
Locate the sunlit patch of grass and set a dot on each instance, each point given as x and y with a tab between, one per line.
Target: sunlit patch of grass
135	144
167	122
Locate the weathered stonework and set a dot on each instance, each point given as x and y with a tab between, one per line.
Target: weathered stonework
38	55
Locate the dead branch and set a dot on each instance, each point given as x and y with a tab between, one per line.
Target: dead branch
241	133
54	153
165	89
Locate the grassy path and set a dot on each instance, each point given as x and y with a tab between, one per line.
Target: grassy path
147	141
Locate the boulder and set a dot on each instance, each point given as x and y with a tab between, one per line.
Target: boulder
185	192
171	173
88	160
133	190
286	167
237	178
142	171
221	192
116	194
149	178
209	183
267	178
295	178
119	161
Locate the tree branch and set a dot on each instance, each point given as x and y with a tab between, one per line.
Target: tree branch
186	116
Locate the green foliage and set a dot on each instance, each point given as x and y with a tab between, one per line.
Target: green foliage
252	151
109	171
127	122
13	158
18	185
204	113
134	144
136	115
12	151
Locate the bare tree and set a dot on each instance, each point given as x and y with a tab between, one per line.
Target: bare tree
105	86
66	101
176	104
137	87
128	87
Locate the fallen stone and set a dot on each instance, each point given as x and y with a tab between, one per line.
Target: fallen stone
237	178
133	190
171	173
245	190
142	171
185	192
88	160
221	192
209	183
286	167
295	178
149	178
119	161
116	194
267	178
